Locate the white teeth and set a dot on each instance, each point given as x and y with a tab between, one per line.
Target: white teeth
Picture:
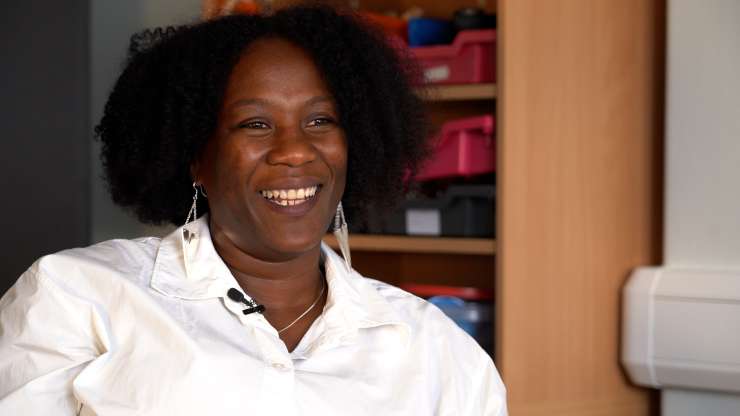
289	197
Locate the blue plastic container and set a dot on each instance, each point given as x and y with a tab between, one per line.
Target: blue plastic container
425	31
475	318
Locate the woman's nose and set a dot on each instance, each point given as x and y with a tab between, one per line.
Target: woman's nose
291	147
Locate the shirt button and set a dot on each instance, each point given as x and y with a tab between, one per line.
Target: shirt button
280	366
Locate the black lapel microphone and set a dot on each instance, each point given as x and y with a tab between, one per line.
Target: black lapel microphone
252	307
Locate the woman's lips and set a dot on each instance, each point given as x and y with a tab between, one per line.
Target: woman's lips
290	196
292	201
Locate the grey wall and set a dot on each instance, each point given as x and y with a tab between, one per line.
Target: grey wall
112	22
44	120
59	62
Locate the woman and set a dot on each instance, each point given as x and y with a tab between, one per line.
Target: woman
265	124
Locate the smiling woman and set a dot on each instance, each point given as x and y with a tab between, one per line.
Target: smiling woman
278	132
268	126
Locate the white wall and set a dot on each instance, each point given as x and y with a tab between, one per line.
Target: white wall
702	211
703	134
112	22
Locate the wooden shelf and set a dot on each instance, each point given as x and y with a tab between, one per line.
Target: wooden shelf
462	92
403	244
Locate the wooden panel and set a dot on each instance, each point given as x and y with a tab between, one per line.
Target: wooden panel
404	244
441	112
580	116
433	269
459	92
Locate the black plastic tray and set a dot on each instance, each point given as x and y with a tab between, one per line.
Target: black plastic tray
463	210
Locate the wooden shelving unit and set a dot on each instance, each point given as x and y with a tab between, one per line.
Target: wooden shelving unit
403	244
578	191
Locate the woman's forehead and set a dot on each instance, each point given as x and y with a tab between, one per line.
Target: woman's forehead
274	66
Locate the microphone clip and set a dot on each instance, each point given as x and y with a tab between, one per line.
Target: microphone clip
252	306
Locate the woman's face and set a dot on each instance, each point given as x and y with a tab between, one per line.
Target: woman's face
276	167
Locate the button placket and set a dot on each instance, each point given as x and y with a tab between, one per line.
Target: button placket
278	384
281	366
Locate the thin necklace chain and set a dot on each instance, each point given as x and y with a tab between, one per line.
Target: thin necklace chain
323	287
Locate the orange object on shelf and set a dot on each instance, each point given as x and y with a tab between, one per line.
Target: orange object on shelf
246	7
215	8
389	24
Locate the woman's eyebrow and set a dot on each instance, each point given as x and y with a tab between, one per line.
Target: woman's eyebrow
261	102
257	102
319	99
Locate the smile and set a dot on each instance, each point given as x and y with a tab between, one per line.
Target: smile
290	197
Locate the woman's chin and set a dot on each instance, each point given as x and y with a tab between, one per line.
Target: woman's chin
292	245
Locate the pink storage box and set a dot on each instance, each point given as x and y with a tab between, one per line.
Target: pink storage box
464	147
470	59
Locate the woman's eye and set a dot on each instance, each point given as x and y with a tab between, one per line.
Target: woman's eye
321	121
254	125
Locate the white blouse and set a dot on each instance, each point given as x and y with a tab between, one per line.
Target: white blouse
144	327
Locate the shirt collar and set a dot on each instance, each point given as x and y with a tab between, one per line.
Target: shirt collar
193	270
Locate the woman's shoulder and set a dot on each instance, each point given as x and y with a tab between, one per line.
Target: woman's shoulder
456	356
425	320
101	262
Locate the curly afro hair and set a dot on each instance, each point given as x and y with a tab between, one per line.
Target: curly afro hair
165	104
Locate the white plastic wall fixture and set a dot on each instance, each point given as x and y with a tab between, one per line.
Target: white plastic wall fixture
681	328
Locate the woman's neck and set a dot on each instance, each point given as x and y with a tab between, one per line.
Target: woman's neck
286	288
273	283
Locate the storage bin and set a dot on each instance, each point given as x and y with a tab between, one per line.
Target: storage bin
470	308
470	59
464	147
462	211
425	31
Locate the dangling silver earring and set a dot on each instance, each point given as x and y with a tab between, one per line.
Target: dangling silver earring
188	235
342	234
202	190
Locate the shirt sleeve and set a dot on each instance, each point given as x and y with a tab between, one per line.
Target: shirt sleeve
471	384
491	394
47	337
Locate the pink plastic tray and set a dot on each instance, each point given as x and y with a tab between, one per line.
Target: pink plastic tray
470	59
464	147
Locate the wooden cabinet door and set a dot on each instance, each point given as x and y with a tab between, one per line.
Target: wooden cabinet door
579	179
